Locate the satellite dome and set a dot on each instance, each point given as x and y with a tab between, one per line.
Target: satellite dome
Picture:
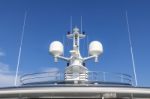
95	48
56	48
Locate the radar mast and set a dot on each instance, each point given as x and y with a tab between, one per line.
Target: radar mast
76	71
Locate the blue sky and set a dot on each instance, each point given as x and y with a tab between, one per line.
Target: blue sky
49	20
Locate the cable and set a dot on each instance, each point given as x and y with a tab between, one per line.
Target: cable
131	49
19	55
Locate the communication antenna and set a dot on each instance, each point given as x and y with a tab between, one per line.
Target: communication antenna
87	42
81	24
131	50
84	47
64	44
19	55
71	24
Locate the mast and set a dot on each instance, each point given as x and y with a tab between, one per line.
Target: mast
76	70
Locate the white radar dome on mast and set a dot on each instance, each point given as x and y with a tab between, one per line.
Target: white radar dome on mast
95	48
56	48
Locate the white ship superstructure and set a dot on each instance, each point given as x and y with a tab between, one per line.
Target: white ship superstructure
76	81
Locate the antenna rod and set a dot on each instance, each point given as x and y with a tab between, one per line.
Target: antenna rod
131	49
71	24
81	24
19	55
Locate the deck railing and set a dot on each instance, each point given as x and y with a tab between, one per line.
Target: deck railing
59	76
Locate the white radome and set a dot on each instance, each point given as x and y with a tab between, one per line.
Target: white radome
95	48
56	48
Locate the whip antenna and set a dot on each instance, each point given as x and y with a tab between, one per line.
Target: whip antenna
19	55
131	49
64	44
71	24
87	42
81	24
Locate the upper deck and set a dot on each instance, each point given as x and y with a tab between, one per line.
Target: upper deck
94	77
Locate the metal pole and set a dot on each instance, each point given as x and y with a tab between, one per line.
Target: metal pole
131	50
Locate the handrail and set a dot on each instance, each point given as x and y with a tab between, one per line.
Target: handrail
92	76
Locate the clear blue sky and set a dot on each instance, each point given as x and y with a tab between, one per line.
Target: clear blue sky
49	20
